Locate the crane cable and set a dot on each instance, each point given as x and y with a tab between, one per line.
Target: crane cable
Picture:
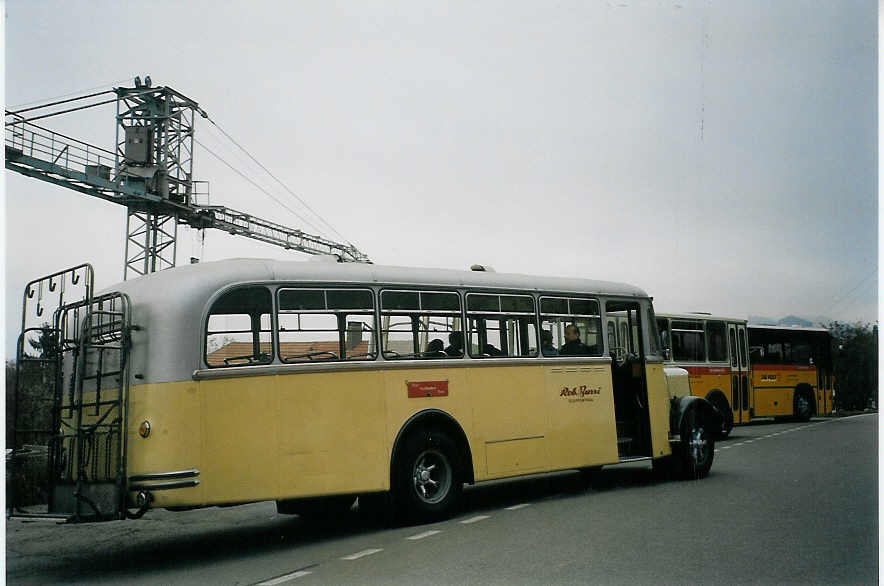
284	186
255	184
88	89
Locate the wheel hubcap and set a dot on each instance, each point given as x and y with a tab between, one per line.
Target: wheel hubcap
698	444
432	476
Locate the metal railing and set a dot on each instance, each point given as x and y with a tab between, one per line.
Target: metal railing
58	149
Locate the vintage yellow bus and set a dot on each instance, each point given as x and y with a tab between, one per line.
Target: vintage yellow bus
312	383
749	371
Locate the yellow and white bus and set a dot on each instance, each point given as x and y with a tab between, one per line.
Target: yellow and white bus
748	371
792	371
317	382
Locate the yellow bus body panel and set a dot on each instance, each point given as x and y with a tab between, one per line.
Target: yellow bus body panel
703	384
774	389
509	420
658	408
174	413
331	434
581	430
305	434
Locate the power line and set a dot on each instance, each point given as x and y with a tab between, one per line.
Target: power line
284	186
256	185
847	295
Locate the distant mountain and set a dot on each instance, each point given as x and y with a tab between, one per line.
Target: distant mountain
762	321
792	320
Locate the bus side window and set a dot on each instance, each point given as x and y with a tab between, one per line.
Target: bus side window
732	336
557	313
717	339
238	328
326	324
653	334
421	325
663	328
688	341
502	326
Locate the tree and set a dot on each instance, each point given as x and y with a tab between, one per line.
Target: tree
855	358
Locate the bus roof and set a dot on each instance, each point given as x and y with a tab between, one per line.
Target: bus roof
788	328
698	315
211	276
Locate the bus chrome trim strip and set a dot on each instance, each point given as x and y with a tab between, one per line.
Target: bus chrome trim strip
514	439
637	459
165	485
165	475
272	369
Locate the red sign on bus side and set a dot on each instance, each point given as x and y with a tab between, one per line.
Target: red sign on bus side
429	388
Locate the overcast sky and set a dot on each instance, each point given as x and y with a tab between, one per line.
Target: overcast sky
720	155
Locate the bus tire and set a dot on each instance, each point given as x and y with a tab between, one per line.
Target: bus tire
323	508
693	455
719	401
429	481
589	476
802	404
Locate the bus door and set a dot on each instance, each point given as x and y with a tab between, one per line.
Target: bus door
739	360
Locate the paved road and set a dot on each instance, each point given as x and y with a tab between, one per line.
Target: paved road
785	502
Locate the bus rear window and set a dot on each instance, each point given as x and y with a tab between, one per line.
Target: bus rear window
238	329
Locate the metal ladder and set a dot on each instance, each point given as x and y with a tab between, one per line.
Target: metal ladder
80	399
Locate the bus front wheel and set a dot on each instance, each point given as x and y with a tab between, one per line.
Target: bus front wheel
692	456
719	401
428	479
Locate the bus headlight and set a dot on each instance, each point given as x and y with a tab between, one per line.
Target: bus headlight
144	429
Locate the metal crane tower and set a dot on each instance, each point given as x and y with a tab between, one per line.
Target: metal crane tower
150	171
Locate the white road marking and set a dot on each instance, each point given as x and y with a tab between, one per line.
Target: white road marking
726	447
422	535
285	578
474	519
361	554
517	507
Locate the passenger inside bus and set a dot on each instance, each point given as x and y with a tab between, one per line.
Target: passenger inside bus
492	350
546	343
434	349
573	346
455	341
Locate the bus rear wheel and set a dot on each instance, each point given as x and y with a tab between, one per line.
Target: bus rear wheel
802	406
428	479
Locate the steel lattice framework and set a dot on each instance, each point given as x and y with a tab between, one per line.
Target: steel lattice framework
150	171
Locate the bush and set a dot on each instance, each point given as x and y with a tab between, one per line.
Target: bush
855	357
